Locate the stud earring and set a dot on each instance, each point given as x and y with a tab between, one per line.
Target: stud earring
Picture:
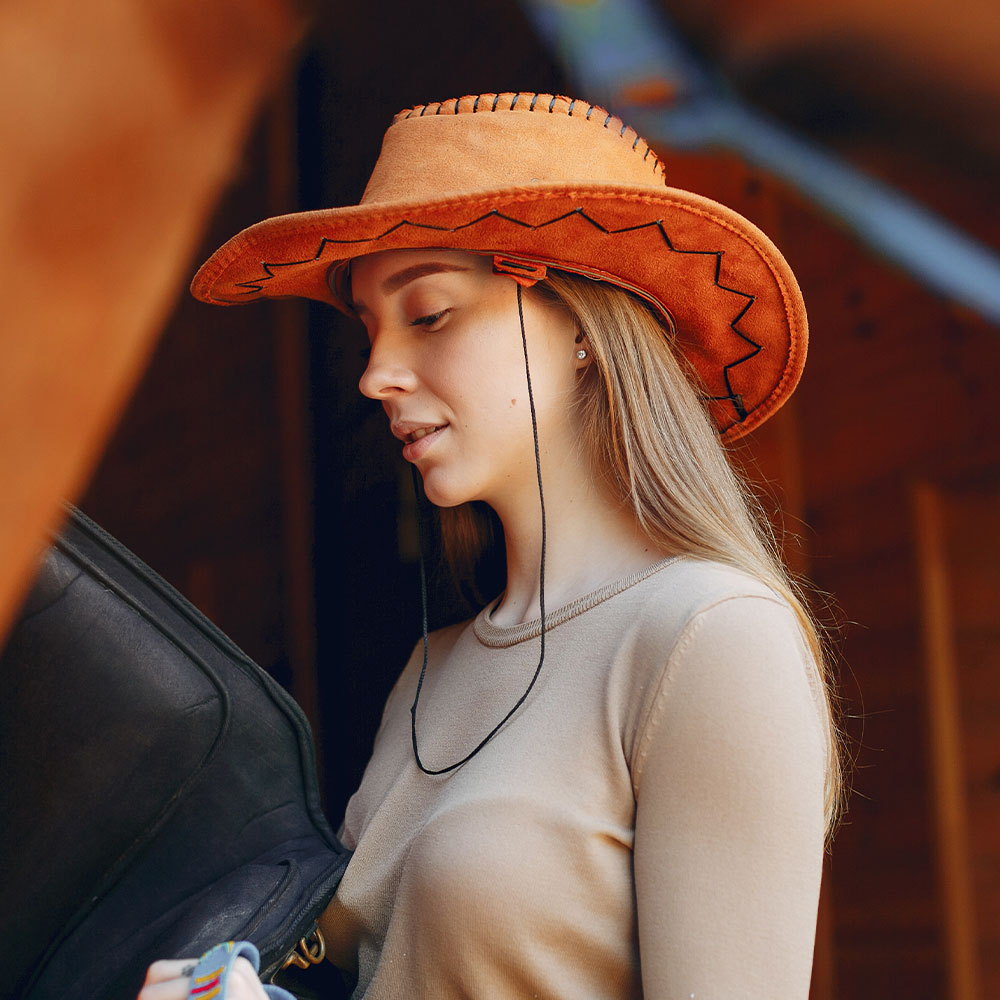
581	354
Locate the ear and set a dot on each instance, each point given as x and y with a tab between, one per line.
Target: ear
581	350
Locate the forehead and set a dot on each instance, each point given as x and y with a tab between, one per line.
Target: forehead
389	270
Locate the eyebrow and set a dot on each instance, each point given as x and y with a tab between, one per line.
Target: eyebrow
396	281
402	278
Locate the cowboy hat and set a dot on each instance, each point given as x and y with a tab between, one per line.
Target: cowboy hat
545	180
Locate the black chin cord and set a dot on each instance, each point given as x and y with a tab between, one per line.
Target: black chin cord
541	585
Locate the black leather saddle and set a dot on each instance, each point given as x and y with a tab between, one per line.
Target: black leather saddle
158	789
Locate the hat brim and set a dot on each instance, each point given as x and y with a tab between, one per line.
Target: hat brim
738	312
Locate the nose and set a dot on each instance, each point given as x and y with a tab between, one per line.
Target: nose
387	374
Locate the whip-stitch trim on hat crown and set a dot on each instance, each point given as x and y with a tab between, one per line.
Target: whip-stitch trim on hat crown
555	104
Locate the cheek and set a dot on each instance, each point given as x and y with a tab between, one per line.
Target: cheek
489	372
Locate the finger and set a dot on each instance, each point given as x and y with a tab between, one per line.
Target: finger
169	989
243	982
170	968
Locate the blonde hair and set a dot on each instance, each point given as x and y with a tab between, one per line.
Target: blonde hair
653	442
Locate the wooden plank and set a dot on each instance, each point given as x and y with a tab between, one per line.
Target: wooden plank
945	746
772	457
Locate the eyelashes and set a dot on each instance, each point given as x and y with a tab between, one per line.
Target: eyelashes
431	320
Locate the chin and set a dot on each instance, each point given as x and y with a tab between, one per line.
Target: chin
444	494
445	499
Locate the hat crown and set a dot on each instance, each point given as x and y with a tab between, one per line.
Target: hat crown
492	141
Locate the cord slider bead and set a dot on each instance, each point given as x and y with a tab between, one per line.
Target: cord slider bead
523	272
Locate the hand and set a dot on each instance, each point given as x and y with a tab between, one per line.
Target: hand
171	980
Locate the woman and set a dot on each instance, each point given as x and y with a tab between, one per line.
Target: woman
615	780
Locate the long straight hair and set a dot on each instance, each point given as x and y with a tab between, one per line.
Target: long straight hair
654	445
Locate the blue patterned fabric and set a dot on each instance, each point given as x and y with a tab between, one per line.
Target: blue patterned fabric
211	975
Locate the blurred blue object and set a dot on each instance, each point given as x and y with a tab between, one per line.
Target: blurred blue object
614	48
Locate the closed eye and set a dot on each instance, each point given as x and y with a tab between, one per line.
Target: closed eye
431	320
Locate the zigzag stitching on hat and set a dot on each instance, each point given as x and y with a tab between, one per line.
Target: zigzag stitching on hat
252	287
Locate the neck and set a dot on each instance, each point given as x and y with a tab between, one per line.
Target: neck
590	541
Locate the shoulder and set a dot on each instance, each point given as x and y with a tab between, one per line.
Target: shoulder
690	594
724	644
705	581
440	642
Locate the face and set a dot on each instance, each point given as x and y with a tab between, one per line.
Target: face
447	364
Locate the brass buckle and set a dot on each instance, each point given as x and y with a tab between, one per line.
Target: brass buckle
311	950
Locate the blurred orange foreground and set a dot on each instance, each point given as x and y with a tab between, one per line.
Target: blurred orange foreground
120	123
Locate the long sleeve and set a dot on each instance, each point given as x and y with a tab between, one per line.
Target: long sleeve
729	824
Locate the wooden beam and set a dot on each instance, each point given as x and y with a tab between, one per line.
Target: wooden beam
947	764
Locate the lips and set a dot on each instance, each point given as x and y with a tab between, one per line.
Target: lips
421	432
409	431
417	437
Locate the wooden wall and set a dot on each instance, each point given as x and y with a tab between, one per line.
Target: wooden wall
888	456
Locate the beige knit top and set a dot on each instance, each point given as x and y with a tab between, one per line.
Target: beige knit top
649	823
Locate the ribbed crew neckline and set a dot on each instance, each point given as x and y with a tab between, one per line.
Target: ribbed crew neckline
499	636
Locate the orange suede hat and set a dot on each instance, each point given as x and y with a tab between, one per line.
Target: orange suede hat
546	180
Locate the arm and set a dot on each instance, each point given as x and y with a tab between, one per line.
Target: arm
729	819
